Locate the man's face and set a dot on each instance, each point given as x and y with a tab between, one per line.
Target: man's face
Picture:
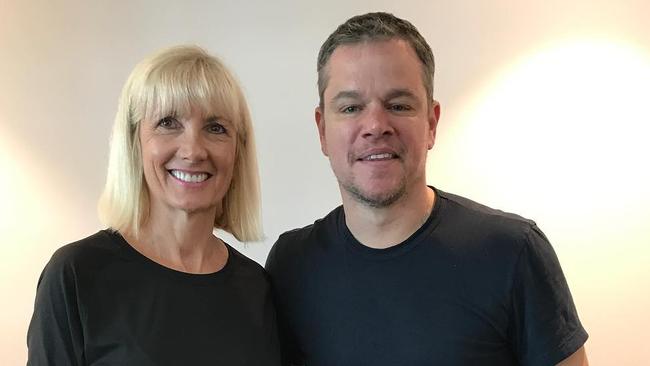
376	123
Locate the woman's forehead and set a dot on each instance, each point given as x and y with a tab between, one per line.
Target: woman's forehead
185	107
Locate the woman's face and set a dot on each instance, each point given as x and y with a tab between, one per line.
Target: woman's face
188	161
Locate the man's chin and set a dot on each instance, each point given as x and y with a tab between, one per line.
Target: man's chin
377	198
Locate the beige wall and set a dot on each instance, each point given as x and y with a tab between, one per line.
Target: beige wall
544	113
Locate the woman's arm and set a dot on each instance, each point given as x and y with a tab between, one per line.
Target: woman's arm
55	335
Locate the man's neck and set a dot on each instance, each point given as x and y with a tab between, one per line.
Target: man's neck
385	227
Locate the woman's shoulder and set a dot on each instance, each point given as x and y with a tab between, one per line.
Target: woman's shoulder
75	260
86	250
242	265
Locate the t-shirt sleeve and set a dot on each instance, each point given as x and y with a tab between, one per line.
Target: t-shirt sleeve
291	355
55	334
545	325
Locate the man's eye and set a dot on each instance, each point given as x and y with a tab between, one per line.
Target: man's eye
168	123
350	109
400	107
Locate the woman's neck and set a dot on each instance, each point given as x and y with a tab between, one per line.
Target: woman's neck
181	240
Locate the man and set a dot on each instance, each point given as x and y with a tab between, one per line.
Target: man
403	273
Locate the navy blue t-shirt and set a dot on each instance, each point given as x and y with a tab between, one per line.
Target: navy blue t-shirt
472	286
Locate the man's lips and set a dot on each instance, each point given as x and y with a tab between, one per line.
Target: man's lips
377	155
380	156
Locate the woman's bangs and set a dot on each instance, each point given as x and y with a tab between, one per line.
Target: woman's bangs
198	88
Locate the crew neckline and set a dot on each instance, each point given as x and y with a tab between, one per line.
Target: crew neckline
133	254
398	249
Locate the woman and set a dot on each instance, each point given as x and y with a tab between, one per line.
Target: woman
158	288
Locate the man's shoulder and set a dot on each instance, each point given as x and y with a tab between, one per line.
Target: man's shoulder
479	223
301	241
475	211
311	232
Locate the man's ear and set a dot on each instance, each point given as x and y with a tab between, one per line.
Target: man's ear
319	116
433	117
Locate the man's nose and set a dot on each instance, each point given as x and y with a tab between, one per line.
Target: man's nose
192	146
376	123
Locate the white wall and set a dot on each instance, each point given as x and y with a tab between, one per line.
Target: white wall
544	113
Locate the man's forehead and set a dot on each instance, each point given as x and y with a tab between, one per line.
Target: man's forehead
349	57
385	68
351	51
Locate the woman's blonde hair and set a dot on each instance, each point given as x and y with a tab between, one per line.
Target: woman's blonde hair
172	82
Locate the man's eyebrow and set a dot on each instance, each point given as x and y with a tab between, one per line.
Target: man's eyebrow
397	93
346	94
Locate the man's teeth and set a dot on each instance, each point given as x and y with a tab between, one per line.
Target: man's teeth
189	178
379	156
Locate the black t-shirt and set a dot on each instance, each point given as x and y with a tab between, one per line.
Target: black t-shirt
472	286
100	302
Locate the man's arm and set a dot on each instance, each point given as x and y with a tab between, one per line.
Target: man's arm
547	328
579	358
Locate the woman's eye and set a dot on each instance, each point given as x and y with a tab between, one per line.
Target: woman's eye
167	123
216	128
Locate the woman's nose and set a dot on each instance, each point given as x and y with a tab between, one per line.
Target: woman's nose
192	147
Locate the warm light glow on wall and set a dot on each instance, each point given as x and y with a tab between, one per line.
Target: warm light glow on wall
34	221
570	119
561	136
5	188
17	197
